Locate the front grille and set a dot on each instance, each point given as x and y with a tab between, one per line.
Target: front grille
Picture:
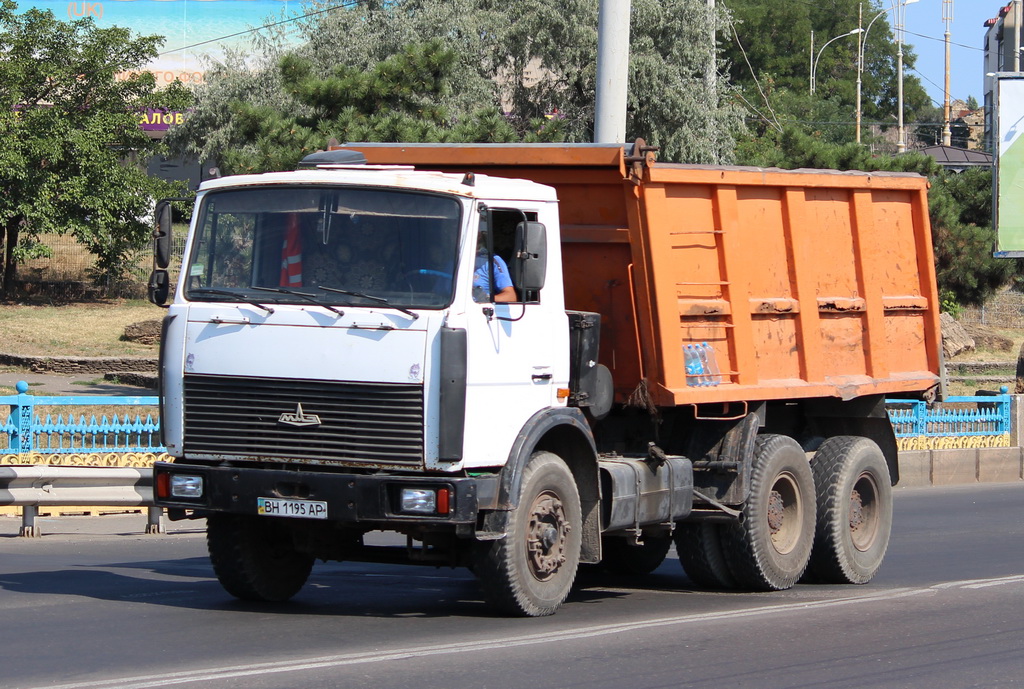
361	423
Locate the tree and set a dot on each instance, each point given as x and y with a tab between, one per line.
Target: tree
770	59
71	97
519	70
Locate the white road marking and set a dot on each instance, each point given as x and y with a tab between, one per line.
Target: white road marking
367	657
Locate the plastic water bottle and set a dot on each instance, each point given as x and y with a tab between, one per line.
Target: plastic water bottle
710	362
705	370
694	367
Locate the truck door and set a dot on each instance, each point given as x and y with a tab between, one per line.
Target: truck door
513	346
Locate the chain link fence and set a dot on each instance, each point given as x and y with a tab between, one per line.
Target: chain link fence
68	273
1003	310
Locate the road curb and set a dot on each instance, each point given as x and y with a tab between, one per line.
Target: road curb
961	466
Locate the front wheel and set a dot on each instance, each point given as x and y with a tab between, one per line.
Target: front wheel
854	511
769	547
531	571
254	557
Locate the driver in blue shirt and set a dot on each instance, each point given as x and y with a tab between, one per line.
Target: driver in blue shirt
503	289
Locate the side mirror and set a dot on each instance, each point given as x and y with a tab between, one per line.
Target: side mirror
159	287
531	256
162	234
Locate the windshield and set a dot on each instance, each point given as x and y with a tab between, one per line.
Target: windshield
352	246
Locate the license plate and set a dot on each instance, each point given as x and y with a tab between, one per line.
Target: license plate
305	509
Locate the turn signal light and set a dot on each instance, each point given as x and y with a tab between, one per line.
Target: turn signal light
163	485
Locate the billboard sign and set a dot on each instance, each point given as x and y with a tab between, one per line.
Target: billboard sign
1009	177
195	31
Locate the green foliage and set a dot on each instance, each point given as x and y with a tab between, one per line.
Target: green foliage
770	60
70	100
461	70
949	304
964	237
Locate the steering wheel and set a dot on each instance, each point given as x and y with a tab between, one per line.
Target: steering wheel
446	277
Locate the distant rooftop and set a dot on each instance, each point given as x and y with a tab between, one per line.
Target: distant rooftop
954	158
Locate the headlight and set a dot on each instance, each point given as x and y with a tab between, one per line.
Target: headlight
184	486
419	500
425	500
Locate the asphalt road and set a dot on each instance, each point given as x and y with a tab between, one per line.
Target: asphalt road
120	609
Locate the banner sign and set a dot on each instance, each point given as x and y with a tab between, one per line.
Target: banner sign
1009	177
195	31
160	120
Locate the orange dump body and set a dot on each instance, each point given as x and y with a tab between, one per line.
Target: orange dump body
805	283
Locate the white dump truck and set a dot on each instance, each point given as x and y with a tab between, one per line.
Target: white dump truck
524	358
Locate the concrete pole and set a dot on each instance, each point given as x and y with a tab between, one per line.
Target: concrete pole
901	143
901	16
612	71
711	78
812	62
947	131
861	40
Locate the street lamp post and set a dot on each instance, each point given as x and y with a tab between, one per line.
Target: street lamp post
860	67
901	13
814	65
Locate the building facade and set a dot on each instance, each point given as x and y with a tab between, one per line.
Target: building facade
1002	54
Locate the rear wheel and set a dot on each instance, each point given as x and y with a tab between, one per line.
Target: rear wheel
619	556
254	558
699	546
768	549
531	571
854	519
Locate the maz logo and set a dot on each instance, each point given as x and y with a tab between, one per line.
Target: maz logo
85	9
299	418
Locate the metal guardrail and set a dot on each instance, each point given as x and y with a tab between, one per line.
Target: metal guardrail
32	487
955	416
26	431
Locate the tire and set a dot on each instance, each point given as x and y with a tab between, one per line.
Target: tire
619	556
769	547
699	546
254	559
851	478
530	572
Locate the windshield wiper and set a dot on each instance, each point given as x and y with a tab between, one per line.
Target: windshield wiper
302	295
379	300
230	293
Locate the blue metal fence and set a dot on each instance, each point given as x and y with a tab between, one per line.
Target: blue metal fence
955	416
26	431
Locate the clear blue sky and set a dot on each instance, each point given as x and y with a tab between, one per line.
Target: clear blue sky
924	31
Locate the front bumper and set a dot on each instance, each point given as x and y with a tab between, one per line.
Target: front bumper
350	498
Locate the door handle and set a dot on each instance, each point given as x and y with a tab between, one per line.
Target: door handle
541	376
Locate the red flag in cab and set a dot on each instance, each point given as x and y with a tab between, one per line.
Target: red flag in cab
291	254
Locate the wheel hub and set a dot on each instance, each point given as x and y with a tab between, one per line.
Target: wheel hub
784	513
864	512
775	511
547	536
856	511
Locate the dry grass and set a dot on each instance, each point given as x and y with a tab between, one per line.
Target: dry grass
75	330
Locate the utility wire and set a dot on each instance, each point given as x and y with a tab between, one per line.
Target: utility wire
943	40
